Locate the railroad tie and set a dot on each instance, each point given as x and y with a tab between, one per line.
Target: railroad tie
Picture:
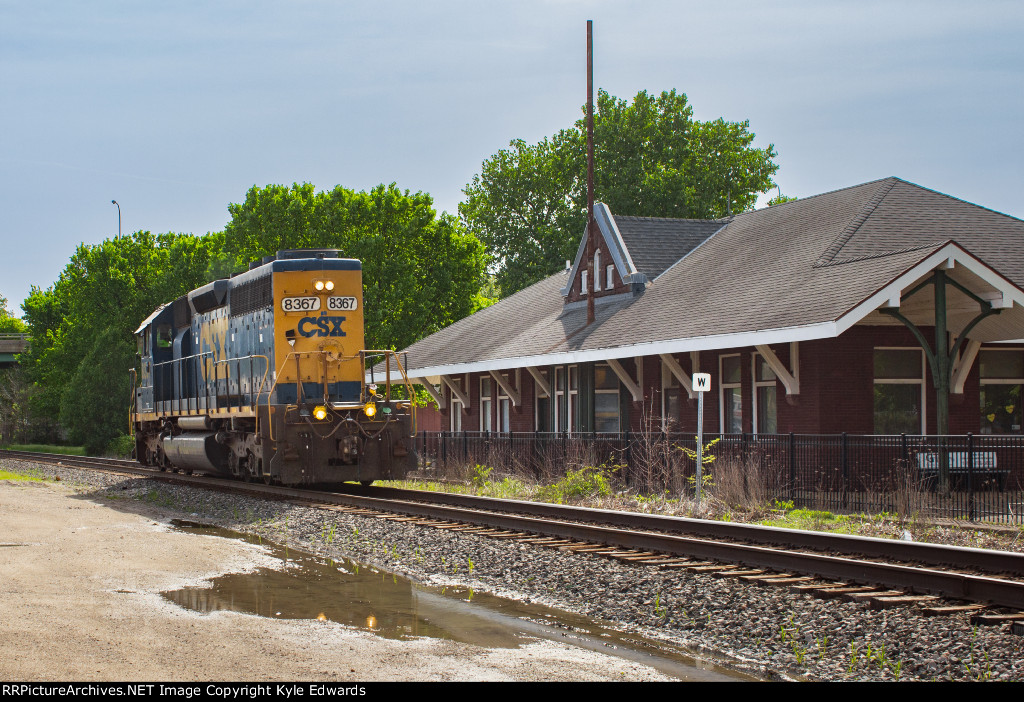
896	601
687	563
990	619
710	568
739	573
833	592
865	596
952	609
784	580
815	588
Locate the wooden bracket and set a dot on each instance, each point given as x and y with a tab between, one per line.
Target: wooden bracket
507	387
456	390
673	365
631	385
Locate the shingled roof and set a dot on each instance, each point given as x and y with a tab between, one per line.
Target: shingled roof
805	269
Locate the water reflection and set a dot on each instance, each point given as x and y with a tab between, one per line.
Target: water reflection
306	587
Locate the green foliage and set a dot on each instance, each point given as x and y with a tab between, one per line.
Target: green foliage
8	323
780	199
588	481
120	446
528	203
478	475
421	271
80	328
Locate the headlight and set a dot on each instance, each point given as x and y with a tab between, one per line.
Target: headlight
320	413
370	409
318	284
329	285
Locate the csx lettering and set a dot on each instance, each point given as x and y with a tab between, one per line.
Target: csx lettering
321	326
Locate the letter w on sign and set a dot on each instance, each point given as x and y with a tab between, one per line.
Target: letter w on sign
701	382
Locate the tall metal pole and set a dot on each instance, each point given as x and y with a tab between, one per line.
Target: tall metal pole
591	225
114	202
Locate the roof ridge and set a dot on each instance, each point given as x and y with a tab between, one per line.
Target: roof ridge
670	219
884	188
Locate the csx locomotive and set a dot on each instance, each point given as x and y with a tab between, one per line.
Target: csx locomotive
264	376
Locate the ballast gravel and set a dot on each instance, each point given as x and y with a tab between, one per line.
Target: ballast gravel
768	631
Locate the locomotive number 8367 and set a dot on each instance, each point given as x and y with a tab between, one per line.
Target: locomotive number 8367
263	376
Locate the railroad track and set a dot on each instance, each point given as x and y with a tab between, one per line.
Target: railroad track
880	572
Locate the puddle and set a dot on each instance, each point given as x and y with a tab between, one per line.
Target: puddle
346	592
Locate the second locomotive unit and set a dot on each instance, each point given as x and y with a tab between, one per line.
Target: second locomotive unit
264	376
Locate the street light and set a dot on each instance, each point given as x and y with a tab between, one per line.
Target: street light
114	202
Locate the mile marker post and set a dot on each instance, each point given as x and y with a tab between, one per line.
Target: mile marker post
701	383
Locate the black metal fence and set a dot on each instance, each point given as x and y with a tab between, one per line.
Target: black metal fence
973	477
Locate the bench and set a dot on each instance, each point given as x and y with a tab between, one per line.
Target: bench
984	473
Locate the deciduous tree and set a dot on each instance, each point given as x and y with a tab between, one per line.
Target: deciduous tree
528	203
421	271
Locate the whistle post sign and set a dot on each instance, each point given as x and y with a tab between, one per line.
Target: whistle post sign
701	384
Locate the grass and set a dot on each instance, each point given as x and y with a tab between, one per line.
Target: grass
8	475
48	448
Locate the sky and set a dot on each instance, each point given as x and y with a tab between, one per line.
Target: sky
176	109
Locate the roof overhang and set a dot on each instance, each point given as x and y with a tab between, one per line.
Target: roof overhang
967	269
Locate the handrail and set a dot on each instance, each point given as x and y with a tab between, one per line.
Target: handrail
178	363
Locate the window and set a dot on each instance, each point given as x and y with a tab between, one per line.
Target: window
566	398
542	407
670	389
606	399
456	405
899	391
1002	377
765	408
731	395
597	271
486	403
609	280
583	282
504	408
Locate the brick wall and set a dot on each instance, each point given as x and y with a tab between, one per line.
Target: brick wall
836	390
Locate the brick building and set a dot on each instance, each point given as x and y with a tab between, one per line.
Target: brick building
815	316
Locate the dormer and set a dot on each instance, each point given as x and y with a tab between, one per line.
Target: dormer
611	263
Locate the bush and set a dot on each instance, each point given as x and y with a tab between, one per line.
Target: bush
587	481
120	446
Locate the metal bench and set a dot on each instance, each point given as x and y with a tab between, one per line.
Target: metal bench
984	473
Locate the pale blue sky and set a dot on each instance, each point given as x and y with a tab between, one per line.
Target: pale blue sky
177	109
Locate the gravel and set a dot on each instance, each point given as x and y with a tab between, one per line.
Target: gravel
763	630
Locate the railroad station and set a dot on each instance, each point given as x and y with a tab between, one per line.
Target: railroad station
816	316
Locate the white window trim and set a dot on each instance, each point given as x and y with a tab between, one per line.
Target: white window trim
597	271
723	386
907	381
609	281
583	282
503	399
617	392
998	381
754	358
455	417
489	399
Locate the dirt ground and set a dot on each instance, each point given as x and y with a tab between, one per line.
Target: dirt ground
79	596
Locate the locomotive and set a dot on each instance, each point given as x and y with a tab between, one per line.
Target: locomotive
264	376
